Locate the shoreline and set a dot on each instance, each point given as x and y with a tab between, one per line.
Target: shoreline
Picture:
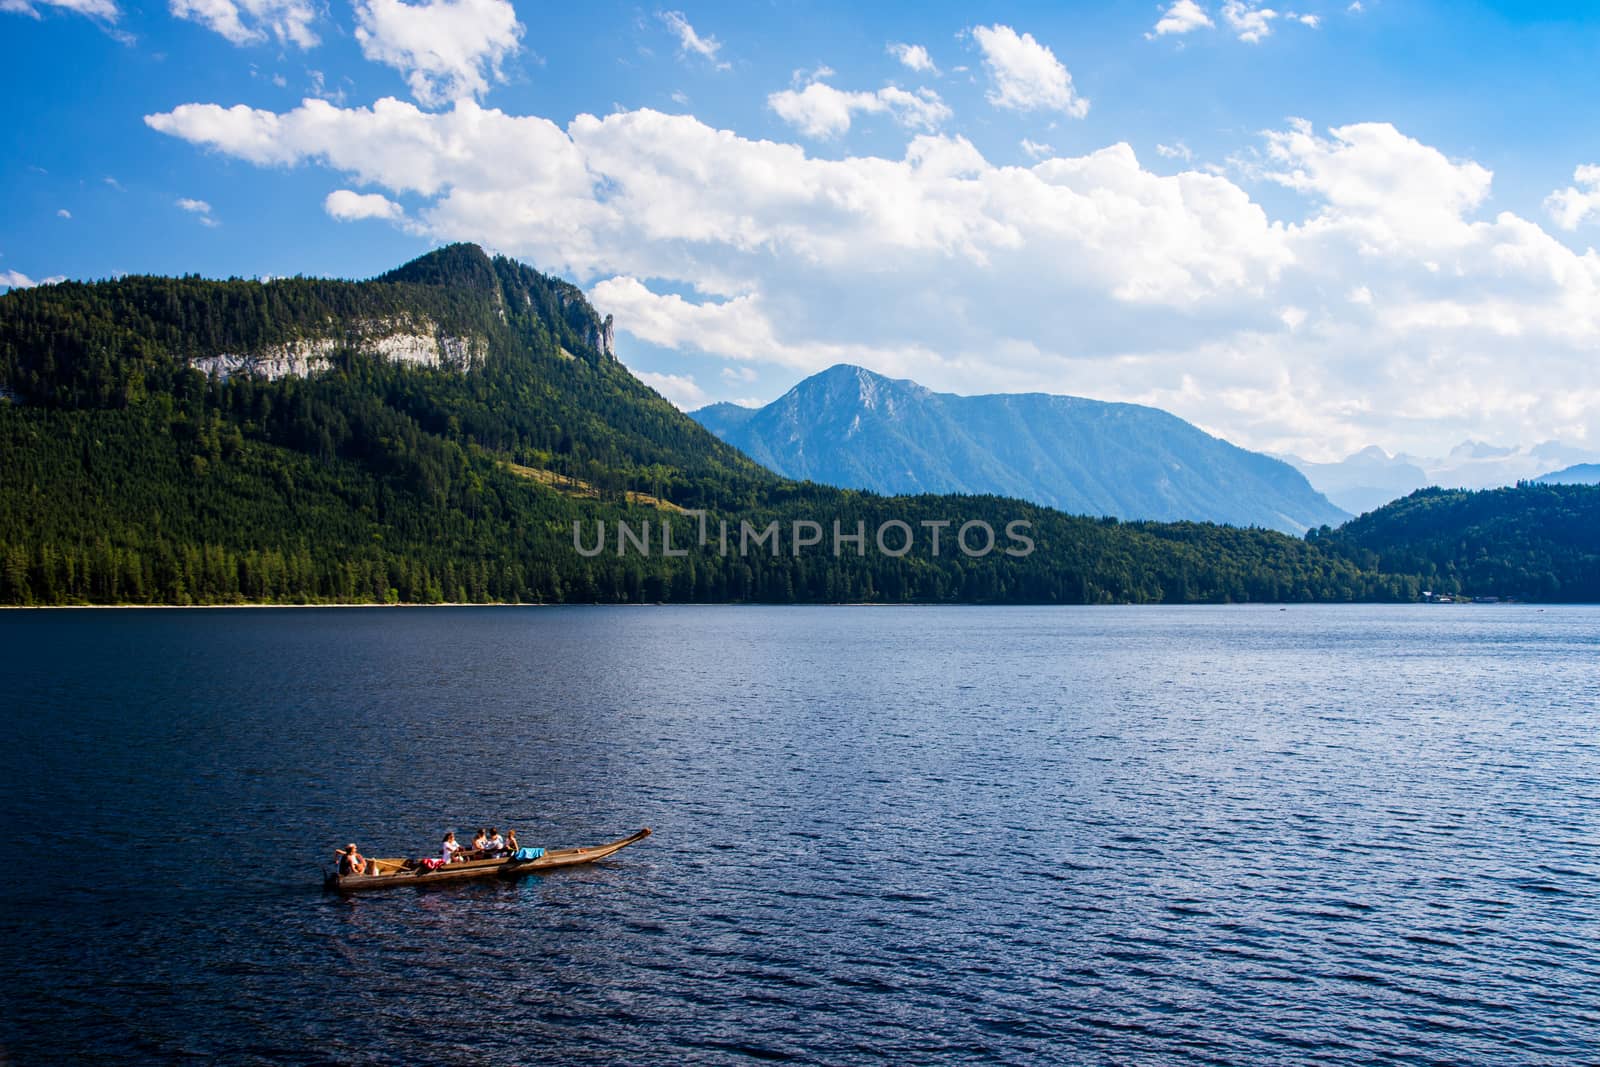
213	607
755	604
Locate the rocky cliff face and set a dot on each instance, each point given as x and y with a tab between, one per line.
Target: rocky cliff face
417	342
599	334
604	338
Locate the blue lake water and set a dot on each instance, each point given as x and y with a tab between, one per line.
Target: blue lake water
883	835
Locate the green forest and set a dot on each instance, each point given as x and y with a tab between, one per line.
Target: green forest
129	476
1528	542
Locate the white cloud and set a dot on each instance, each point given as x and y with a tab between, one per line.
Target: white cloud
447	49
1025	75
1393	191
63	214
1175	151
348	206
1036	149
318	87
691	42
1570	206
1252	24
1184	16
678	388
247	22
914	57
99	9
12	279
657	195
819	110
1355	7
733	328
739	375
199	209
1376	305
738	328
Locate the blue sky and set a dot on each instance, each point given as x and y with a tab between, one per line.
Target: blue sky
1306	227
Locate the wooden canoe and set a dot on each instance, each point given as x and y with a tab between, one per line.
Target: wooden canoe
403	872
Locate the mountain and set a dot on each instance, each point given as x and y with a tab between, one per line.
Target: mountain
1364	481
1476	465
530	359
1467	451
1578	474
1367	479
460	429
850	427
1530	542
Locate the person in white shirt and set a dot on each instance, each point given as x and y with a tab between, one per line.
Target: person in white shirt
496	842
450	847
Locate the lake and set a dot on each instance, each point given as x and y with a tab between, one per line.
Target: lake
882	835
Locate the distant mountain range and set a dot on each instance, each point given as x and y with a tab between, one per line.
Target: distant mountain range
850	427
1365	480
1370	478
1579	474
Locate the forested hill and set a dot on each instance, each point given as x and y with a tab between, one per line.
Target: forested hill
1531	542
434	434
547	389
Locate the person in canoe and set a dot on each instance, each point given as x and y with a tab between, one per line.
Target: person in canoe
479	844
351	861
496	844
511	842
450	848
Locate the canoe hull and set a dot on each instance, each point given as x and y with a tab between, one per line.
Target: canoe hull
477	869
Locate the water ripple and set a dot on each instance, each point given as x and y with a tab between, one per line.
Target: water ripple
1188	836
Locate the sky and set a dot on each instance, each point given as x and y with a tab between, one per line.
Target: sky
1308	228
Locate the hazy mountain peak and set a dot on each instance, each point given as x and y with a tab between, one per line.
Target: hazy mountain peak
1370	478
1480	450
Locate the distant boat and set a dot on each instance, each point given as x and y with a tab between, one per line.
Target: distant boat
393	873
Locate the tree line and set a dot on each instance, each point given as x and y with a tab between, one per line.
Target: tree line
128	476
